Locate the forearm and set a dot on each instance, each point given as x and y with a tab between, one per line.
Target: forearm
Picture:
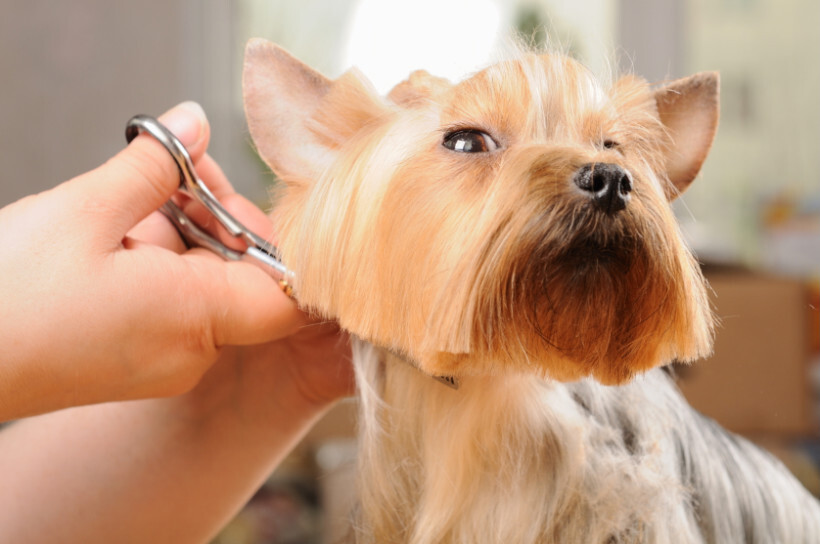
143	471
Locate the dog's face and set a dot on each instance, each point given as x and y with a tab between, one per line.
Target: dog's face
517	221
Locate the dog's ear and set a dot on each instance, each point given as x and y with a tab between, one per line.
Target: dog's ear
417	88
296	116
689	109
281	94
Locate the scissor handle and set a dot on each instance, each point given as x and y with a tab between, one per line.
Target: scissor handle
258	250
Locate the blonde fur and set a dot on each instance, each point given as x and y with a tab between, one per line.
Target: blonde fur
377	207
496	268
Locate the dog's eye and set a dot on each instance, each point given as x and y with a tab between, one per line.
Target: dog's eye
610	144
469	141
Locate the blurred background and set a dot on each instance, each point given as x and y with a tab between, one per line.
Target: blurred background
74	72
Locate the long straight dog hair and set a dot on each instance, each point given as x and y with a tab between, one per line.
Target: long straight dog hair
468	232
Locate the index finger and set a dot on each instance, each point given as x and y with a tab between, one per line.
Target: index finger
141	177
211	173
237	205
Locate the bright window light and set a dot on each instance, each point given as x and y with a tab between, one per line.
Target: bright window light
448	38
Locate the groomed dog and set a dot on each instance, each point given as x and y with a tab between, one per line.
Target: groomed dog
511	235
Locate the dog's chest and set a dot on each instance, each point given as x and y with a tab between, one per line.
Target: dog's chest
514	457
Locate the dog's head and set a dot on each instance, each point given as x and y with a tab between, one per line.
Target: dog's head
518	220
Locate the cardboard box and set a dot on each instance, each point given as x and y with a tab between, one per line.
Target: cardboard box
757	382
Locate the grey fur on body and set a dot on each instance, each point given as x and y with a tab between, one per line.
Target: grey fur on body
600	464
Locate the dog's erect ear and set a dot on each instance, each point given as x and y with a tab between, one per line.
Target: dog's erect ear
296	116
418	87
689	109
281	94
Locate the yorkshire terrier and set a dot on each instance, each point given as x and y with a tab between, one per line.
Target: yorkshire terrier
511	235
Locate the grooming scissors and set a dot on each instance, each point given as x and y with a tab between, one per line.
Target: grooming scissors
257	251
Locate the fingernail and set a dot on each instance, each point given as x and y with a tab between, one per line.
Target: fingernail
187	121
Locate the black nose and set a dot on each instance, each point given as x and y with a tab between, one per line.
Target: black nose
608	185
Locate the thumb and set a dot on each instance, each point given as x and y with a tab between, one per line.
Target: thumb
141	177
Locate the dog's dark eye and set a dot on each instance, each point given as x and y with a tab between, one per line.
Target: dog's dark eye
469	141
611	144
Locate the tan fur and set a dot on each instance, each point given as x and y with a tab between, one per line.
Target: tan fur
487	264
493	268
505	459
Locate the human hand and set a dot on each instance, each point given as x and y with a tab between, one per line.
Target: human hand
293	378
91	313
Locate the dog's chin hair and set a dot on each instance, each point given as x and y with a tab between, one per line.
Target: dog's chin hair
519	459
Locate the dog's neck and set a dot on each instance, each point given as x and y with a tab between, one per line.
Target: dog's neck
506	458
438	455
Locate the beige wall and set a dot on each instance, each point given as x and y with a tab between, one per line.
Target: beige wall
768	144
72	73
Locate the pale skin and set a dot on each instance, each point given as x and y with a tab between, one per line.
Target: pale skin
102	303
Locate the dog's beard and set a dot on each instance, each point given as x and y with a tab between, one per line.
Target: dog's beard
587	294
582	299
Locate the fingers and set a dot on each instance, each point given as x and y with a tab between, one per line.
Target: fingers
211	173
157	230
237	205
251	216
242	209
140	178
246	306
